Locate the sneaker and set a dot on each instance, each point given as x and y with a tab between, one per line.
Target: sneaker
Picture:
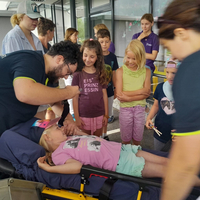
111	119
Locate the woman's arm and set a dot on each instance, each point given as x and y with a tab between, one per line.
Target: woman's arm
152	56
142	35
105	99
182	168
71	166
12	44
152	113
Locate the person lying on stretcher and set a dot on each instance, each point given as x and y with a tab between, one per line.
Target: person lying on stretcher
69	153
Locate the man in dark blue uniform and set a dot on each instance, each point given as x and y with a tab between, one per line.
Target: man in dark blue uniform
24	77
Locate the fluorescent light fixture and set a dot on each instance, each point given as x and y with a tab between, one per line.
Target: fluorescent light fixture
4	5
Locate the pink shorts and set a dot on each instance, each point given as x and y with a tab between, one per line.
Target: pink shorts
92	123
131	121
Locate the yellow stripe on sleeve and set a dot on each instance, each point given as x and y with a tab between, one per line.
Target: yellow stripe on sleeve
46	82
187	133
23	77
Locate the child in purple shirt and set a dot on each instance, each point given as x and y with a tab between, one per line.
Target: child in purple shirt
149	39
91	105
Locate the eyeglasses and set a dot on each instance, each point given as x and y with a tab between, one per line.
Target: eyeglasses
162	21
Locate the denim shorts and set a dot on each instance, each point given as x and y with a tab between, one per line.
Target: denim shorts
128	162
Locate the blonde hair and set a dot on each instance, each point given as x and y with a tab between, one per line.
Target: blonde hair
15	19
100	26
44	144
137	48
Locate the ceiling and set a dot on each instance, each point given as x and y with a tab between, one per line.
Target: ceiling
12	5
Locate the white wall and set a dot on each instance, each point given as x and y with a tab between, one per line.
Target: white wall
5	27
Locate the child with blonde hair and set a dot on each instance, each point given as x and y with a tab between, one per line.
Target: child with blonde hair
69	153
133	86
91	105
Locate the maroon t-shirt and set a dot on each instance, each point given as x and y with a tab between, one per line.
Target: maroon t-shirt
90	102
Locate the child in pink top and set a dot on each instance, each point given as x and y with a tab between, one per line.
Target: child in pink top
91	105
70	153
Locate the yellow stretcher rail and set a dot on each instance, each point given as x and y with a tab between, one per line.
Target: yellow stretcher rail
80	195
66	194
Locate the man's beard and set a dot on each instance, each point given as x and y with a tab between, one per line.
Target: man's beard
53	78
53	75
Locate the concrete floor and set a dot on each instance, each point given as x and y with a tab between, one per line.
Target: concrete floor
114	132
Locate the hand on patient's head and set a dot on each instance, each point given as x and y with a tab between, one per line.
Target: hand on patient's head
69	127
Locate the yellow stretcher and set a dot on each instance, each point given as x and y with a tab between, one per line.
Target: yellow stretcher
12	188
88	171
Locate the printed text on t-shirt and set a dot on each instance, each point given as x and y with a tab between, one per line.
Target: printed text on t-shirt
89	86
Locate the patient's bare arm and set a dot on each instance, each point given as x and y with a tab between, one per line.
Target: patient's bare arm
71	166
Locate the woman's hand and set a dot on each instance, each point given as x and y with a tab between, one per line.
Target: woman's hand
105	121
148	122
143	35
43	164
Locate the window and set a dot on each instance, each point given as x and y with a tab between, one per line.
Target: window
130	8
127	22
67	16
97	3
102	18
159	7
59	21
82	20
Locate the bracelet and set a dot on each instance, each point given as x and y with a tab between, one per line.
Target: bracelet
106	116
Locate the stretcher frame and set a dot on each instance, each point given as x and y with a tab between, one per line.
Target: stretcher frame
86	172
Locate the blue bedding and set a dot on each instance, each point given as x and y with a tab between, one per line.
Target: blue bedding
18	146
